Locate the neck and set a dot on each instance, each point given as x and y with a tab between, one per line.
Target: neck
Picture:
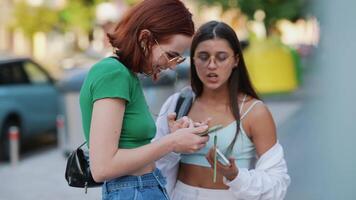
218	96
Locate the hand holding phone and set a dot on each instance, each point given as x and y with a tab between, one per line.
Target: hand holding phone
212	129
222	158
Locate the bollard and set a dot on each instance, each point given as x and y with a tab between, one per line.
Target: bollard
14	137
60	132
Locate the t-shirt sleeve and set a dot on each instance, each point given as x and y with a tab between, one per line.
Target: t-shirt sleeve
112	84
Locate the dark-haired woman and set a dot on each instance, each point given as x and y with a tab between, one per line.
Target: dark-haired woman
117	123
223	92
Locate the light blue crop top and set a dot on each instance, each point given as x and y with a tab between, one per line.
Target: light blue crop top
244	151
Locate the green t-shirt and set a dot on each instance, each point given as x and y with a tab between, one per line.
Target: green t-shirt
111	79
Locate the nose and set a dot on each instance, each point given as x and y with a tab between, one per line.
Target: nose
212	64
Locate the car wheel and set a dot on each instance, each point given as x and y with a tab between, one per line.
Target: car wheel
4	140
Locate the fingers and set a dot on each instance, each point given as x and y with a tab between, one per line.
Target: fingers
202	145
205	122
196	124
210	160
199	129
232	163
210	156
185	122
191	123
171	117
222	166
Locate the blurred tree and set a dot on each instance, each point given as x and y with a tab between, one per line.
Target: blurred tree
273	9
78	15
33	19
131	2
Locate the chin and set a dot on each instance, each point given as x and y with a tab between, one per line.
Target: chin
212	86
155	76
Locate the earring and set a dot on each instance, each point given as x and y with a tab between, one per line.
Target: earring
143	46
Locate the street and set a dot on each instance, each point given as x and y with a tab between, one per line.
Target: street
41	175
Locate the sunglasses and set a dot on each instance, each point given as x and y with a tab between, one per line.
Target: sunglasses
172	59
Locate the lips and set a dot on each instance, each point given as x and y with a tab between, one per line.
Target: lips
212	77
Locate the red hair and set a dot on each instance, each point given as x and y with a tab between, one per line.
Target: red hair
163	18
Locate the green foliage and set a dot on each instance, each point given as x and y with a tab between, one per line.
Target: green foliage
274	9
225	4
131	2
78	15
34	19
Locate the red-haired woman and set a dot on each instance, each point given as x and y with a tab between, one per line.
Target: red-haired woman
117	123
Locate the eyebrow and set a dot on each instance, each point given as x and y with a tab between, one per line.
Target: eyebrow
218	52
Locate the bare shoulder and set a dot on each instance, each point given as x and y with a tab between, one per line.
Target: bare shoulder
260	111
261	126
255	109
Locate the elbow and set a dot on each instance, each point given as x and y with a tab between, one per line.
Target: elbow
98	174
103	173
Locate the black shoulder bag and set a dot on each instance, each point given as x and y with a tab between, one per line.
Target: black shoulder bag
78	172
184	102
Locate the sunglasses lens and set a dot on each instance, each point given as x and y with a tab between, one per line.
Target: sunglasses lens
179	60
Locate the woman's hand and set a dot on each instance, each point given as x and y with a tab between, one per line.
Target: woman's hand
174	124
186	140
230	172
183	122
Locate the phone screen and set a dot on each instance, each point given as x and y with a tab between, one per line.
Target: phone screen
222	158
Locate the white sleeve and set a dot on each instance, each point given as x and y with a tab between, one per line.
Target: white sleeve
268	181
169	163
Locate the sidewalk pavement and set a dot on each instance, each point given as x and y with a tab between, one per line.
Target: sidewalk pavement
41	176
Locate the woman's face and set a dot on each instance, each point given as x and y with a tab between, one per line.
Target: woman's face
167	55
214	60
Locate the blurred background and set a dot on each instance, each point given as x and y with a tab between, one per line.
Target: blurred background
299	54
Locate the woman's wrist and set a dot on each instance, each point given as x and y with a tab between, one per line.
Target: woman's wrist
169	142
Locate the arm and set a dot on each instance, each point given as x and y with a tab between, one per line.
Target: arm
169	163
108	161
269	180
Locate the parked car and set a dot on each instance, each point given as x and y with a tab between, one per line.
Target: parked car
28	100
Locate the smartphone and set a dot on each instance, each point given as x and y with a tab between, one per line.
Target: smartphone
222	158
212	129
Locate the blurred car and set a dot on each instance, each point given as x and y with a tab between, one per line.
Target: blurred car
28	100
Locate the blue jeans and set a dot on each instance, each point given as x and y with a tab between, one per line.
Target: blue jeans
149	186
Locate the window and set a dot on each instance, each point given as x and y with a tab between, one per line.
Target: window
12	73
35	74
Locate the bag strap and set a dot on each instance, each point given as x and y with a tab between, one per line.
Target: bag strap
184	102
82	144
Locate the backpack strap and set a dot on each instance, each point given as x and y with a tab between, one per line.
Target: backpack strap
184	102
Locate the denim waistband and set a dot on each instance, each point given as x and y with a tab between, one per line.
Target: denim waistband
154	178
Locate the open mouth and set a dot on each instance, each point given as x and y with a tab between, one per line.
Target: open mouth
212	77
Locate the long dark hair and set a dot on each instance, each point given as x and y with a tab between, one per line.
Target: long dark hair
239	81
162	18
